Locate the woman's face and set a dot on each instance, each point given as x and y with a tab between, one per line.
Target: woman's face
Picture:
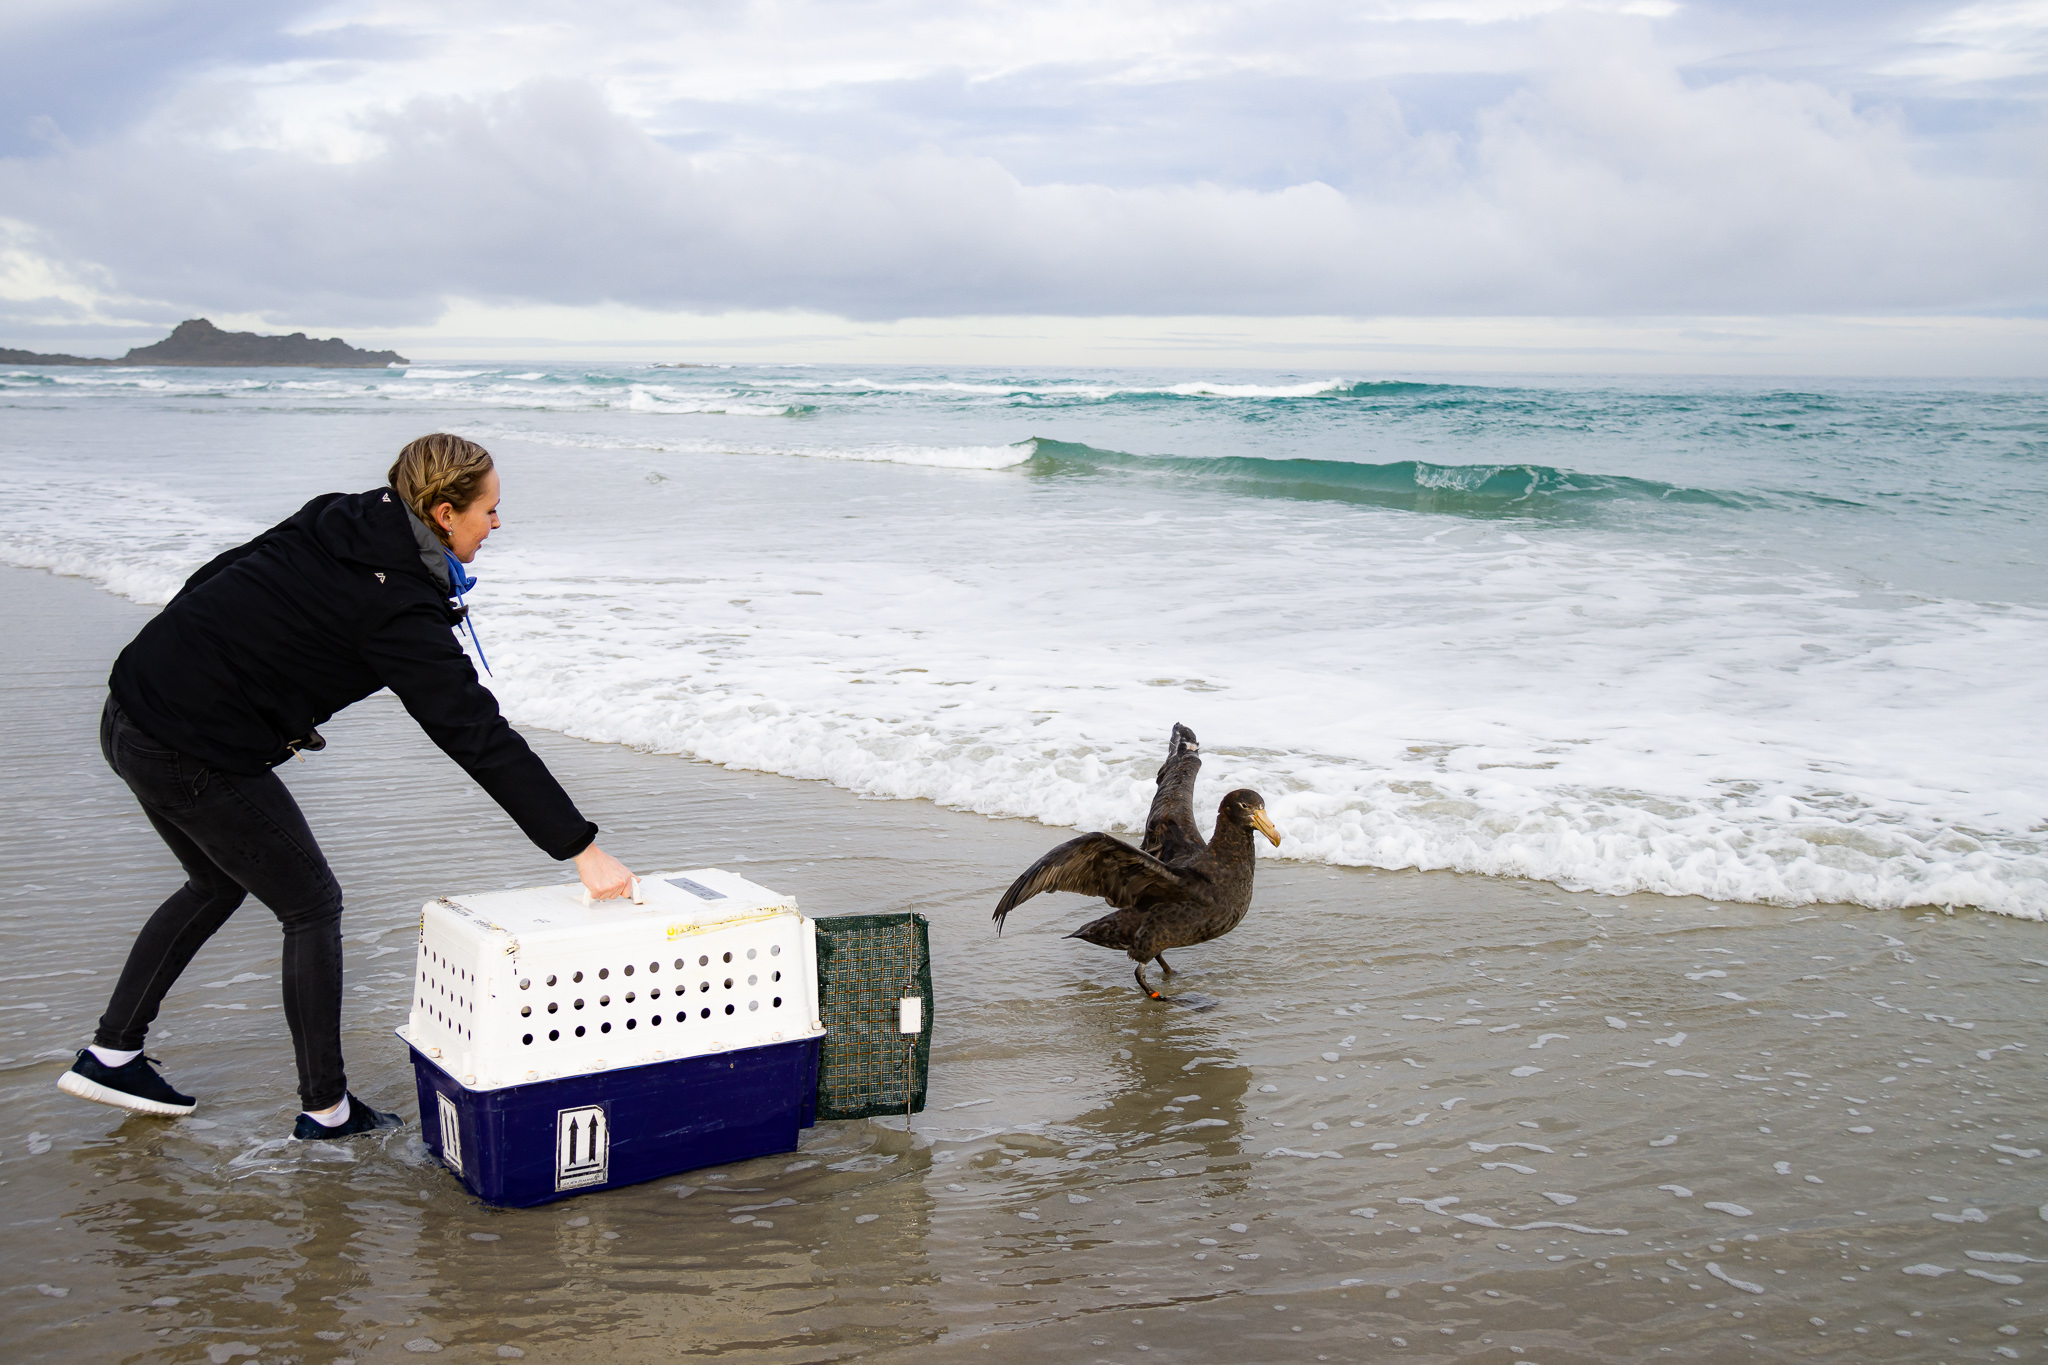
467	529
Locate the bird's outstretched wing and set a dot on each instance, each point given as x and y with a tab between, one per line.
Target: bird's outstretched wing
1095	865
1170	833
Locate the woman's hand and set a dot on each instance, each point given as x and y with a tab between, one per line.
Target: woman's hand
603	876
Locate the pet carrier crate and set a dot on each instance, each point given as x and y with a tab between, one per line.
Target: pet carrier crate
561	1045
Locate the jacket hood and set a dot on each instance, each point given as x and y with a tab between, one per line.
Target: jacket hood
433	553
377	530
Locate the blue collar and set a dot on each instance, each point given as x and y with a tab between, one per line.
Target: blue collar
460	583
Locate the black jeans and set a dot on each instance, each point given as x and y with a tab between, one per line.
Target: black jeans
234	836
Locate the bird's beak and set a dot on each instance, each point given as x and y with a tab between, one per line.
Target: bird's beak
1263	825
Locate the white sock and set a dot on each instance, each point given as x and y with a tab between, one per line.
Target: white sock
109	1057
331	1118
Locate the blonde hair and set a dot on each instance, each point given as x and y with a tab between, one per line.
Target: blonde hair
436	469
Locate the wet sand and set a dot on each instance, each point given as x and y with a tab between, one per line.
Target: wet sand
1399	1116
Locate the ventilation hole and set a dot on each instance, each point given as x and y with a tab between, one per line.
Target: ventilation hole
554	1034
776	977
604	973
703	961
752	979
577	977
728	983
629	997
654	1021
629	969
553	1006
704	1014
778	1002
551	979
679	964
775	951
654	994
728	1009
654	966
579	1030
750	954
632	1023
579	1004
528	1040
727	957
525	1010
604	1028
703	985
753	1005
604	1000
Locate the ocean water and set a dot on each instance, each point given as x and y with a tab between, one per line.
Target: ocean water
1759	642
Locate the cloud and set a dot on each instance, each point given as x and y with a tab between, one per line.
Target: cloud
80	70
1605	178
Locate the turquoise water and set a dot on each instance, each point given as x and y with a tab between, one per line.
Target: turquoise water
1749	641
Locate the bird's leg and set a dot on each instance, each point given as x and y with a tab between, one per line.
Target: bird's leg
1163	966
1149	992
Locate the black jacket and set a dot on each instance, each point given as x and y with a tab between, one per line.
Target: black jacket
273	637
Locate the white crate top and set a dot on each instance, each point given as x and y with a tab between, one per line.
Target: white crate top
707	895
511	987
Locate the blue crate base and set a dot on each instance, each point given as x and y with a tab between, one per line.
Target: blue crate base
532	1144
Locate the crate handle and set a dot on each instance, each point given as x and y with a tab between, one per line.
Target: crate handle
638	899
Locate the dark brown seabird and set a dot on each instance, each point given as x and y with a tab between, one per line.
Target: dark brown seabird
1173	891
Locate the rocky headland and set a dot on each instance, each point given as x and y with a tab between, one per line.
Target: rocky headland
199	342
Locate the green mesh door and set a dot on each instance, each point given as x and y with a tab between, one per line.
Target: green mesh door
866	965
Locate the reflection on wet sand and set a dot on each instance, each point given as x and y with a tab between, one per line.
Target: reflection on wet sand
1054	1210
260	1248
285	1250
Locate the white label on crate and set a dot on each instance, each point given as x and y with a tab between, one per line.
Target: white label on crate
697	889
583	1147
451	1134
910	1014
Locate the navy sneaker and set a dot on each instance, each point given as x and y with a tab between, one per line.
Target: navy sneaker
361	1119
129	1086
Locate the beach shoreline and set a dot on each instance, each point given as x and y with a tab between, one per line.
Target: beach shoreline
1364	1039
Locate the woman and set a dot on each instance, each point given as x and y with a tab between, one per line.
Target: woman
258	648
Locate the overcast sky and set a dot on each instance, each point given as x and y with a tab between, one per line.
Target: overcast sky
374	166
